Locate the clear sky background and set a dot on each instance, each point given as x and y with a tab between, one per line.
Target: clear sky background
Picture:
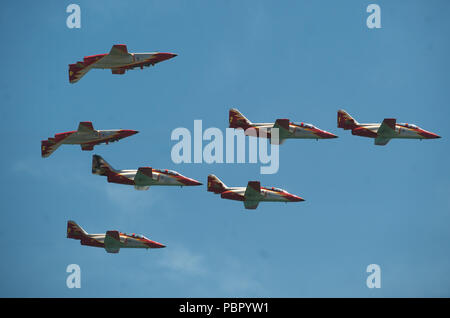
301	60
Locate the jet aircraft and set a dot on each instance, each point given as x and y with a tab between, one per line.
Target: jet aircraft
286	129
111	241
250	195
118	60
86	136
383	132
141	178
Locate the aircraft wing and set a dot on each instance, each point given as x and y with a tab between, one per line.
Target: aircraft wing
253	191
141	188
143	177
85	126
280	141
283	128
119	50
387	128
381	141
112	241
251	205
386	131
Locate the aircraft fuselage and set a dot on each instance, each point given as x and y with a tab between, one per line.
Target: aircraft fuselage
405	131
133	59
160	178
126	241
296	131
267	194
97	136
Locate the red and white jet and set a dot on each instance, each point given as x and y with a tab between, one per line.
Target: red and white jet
286	129
118	60
141	178
250	195
383	132
112	241
86	136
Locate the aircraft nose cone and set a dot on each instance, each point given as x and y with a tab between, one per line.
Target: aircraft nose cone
153	244
191	182
327	135
429	135
128	132
166	56
330	135
295	198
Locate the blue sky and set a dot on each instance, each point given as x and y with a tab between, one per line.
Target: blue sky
301	60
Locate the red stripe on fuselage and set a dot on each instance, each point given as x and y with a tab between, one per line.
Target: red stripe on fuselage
232	196
364	132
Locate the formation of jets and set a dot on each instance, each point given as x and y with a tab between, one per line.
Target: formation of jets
119	60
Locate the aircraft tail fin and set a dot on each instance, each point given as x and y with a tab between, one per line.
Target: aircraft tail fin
237	120
74	231
77	71
346	121
46	147
100	166
215	185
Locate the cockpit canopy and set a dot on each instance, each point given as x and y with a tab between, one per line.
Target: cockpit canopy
171	172
174	173
305	125
136	235
411	126
278	189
